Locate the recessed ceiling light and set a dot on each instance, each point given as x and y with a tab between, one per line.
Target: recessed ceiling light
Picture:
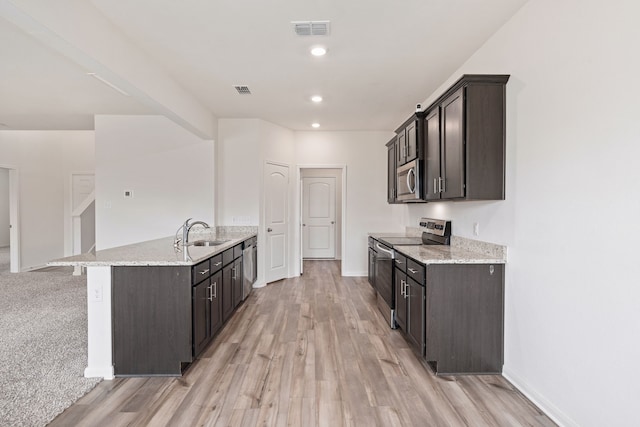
318	51
315	125
316	98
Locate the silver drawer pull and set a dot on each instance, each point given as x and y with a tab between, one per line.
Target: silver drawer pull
204	271
412	270
399	262
215	290
217	264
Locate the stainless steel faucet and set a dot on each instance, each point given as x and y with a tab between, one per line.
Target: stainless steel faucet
186	227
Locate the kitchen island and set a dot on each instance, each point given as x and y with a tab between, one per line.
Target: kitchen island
141	303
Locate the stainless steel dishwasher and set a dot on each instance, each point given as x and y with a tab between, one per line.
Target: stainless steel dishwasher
250	265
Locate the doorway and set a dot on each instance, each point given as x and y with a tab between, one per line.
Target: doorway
321	212
9	220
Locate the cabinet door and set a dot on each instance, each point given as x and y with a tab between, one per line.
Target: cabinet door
216	302
391	173
401	149
415	315
452	160
432	149
411	135
201	316
401	301
227	292
237	281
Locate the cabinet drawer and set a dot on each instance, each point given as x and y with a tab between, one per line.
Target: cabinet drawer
216	263
400	262
415	270
237	251
200	271
227	256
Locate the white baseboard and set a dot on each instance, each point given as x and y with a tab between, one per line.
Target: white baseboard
105	372
35	267
355	274
551	410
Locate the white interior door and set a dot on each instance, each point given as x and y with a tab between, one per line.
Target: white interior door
276	215
319	217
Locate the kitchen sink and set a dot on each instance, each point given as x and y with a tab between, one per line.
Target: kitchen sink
209	242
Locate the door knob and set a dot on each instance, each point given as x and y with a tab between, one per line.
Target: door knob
269	230
333	222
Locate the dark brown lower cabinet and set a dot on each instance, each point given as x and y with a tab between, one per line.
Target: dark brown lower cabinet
409	311
401	303
236	280
227	292
415	315
464	318
151	320
207	312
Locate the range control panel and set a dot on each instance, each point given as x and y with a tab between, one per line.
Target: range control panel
439	227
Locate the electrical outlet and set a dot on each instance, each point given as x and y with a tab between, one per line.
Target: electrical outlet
96	293
476	228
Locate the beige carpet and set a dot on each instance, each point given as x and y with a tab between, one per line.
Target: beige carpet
43	344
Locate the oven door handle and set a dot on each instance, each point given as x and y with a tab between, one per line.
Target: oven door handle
391	254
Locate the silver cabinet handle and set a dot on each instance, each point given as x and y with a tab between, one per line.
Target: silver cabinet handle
215	289
233	276
441	188
217	264
406	294
209	288
207	293
399	262
402	290
203	272
412	270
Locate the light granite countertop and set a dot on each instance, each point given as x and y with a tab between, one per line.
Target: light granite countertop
461	250
445	254
159	252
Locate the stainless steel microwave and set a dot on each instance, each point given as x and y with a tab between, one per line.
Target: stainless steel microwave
409	182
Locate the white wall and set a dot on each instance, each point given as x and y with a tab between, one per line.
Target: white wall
170	171
366	207
4	208
570	218
243	147
45	161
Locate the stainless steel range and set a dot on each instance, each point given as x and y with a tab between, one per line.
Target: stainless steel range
436	232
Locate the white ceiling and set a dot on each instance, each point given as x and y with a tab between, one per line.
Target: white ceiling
383	57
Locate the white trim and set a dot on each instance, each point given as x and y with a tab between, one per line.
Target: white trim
544	404
99	334
14	217
298	214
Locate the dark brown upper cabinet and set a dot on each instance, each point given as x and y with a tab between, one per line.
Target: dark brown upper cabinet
391	171
409	140
465	141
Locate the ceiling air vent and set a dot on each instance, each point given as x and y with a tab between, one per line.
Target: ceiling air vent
243	90
311	28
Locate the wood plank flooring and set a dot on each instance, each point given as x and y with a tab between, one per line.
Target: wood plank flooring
308	351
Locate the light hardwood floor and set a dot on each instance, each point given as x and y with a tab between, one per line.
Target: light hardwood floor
308	351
